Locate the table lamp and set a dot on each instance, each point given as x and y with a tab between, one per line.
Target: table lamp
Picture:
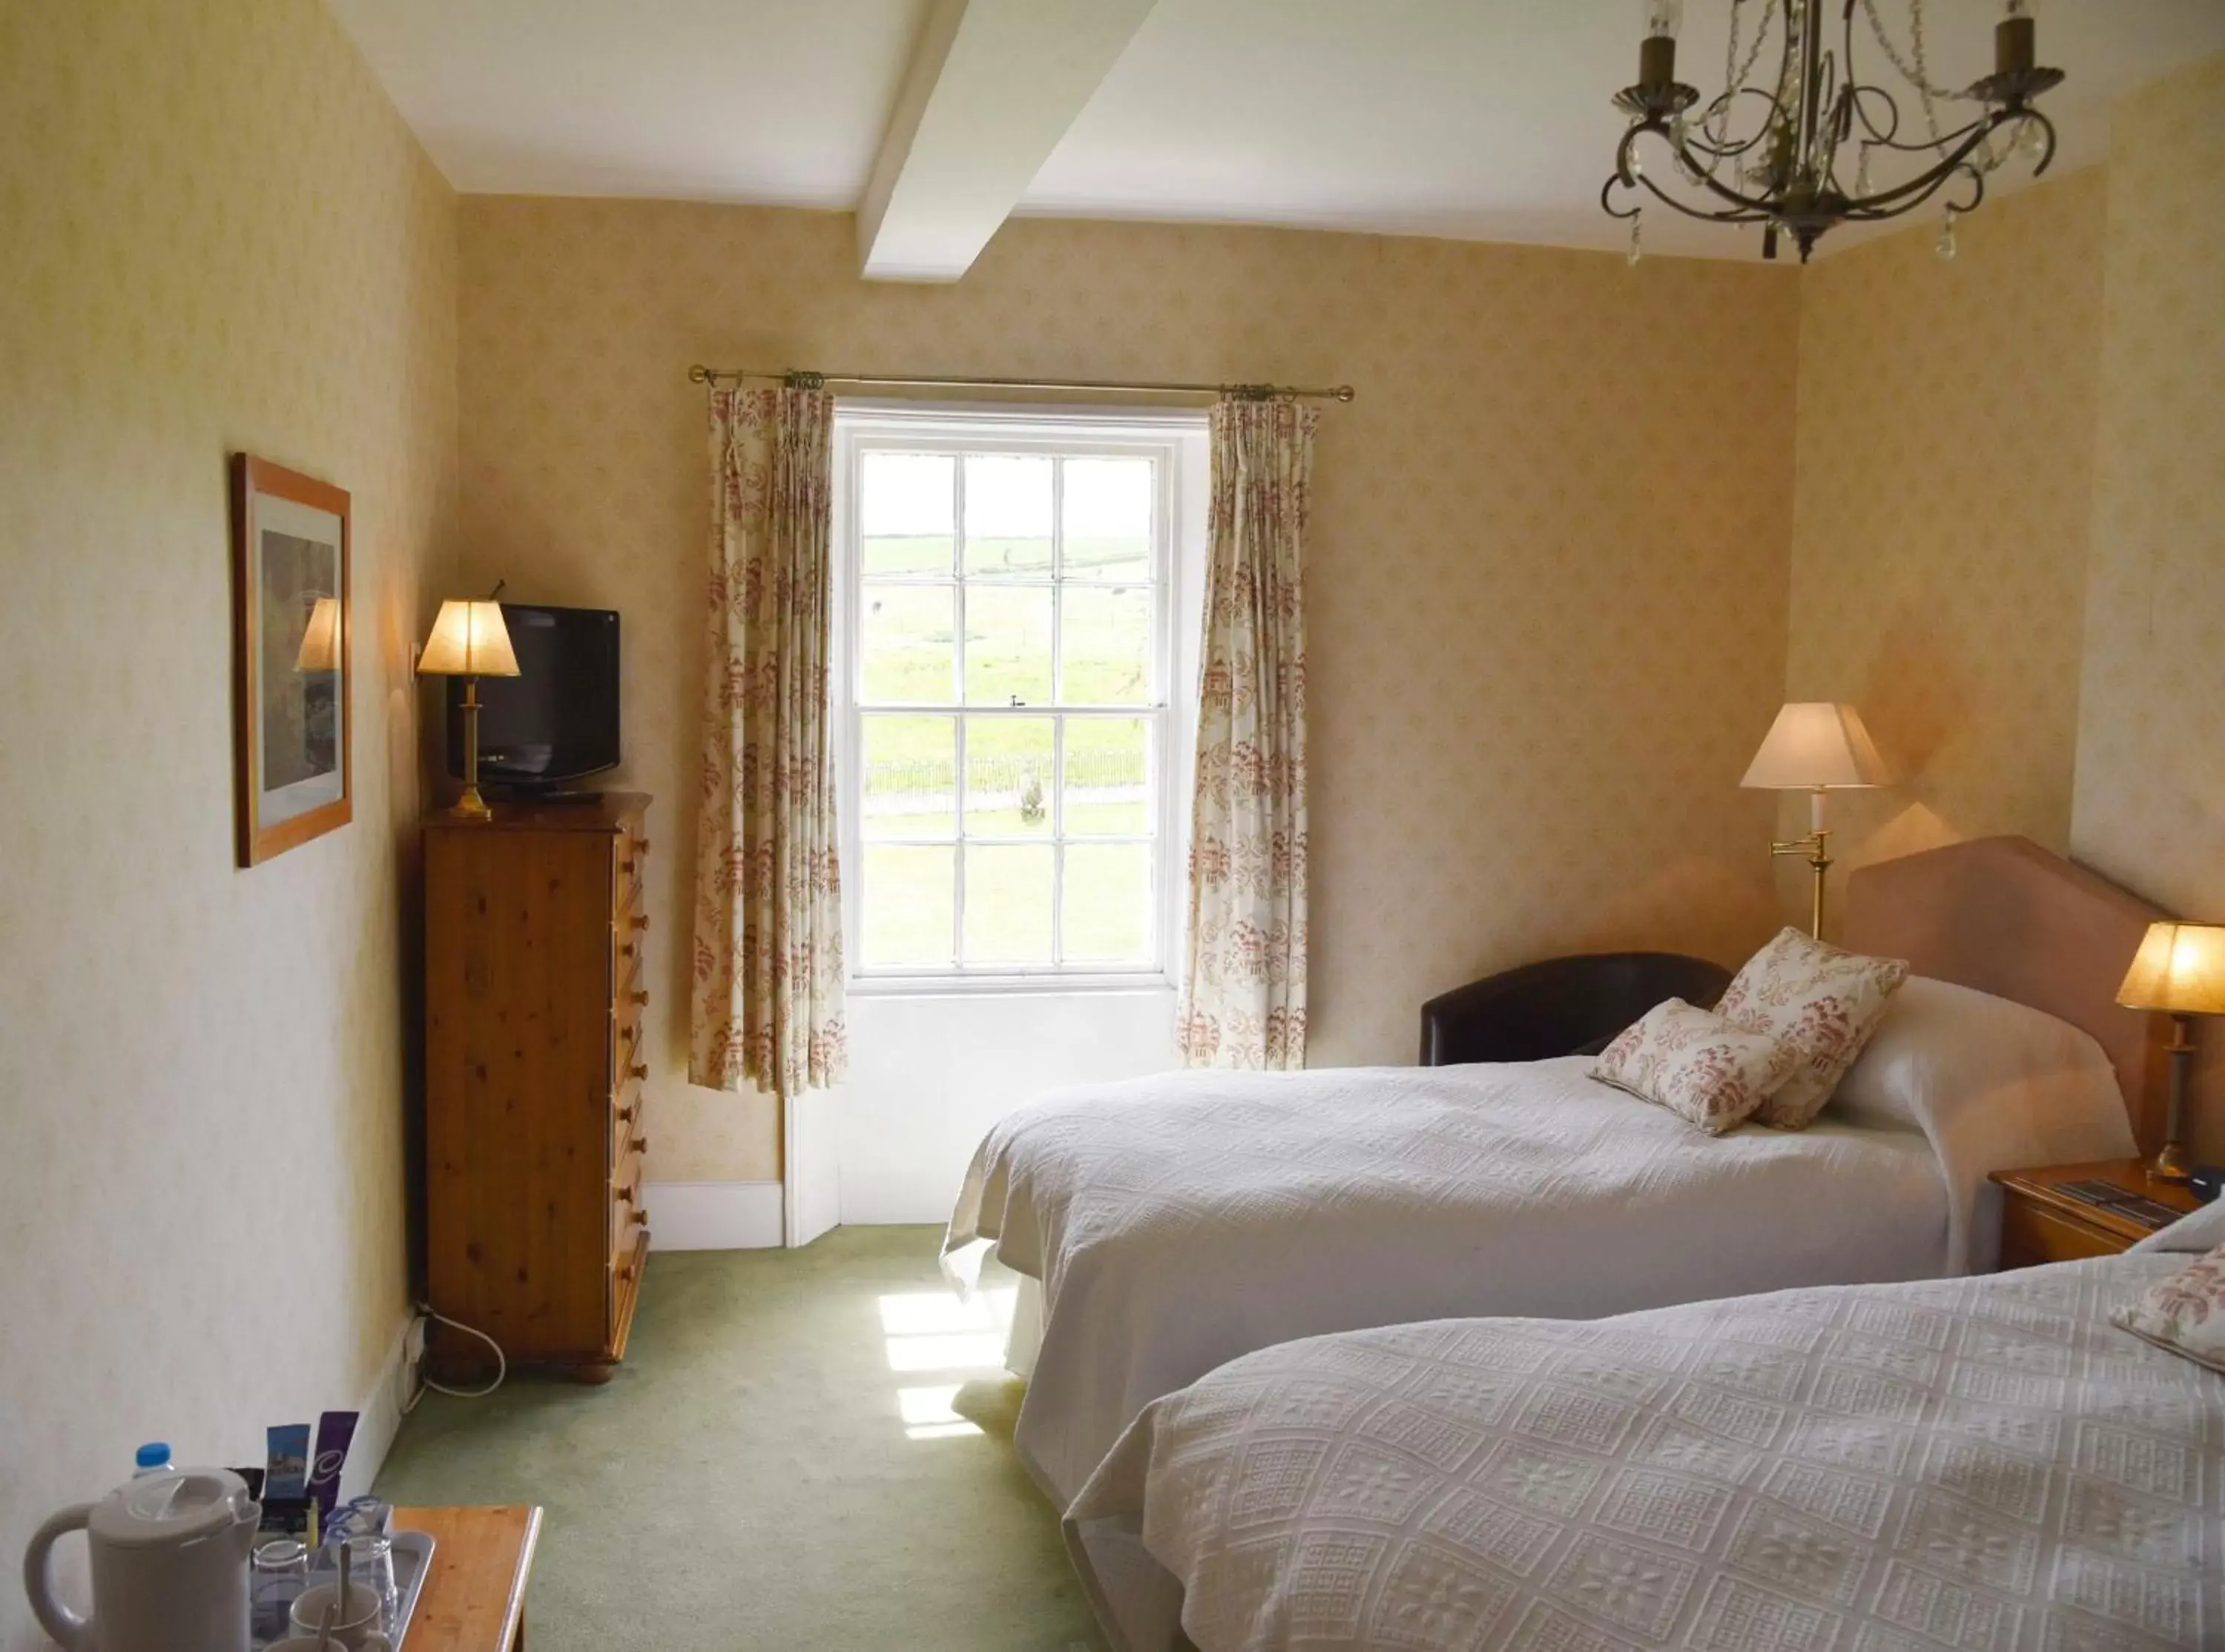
1814	746
469	641
2180	971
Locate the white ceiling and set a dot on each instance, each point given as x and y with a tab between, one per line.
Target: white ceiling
1484	119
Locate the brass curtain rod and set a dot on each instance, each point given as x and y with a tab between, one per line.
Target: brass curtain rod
700	374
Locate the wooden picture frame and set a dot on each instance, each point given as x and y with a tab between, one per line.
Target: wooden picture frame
292	629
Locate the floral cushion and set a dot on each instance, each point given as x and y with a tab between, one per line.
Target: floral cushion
2185	1313
1823	1002
1696	1064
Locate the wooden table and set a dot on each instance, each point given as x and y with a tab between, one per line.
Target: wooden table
474	1601
2041	1224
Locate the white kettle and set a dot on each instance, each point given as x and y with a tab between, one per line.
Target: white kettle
169	1565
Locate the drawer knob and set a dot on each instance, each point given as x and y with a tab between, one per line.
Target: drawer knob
627	1114
637	1072
628	950
640	1144
640	920
641	846
639	998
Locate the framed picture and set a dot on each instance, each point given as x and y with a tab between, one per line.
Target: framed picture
290	634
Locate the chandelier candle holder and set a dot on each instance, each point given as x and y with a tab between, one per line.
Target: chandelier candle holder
1789	144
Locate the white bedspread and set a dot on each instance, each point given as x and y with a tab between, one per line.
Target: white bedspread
1977	1463
1177	1222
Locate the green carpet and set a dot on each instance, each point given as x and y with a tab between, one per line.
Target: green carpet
759	1473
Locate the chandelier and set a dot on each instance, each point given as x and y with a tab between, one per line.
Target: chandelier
1789	145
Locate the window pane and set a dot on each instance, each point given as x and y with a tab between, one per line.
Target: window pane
1008	903
1007	645
1007	514
908	776
906	504
1108	778
1108	904
1106	503
907	644
909	896
1107	645
1009	770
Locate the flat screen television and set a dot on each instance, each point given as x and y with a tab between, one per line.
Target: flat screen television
557	720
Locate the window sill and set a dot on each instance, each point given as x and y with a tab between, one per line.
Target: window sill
1008	986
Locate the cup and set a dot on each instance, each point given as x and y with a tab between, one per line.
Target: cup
277	1573
372	1568
371	1641
360	1629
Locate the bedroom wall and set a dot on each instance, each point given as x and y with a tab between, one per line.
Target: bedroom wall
1506	520
2149	808
219	236
2009	520
1944	484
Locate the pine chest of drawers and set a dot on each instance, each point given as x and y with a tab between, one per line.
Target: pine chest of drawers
535	1232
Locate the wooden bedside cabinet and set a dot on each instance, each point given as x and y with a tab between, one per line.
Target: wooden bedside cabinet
2041	1223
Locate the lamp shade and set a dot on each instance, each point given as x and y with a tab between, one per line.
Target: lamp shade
1814	744
320	642
2180	969
468	640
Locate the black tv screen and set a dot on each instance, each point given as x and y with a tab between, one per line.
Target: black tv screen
557	720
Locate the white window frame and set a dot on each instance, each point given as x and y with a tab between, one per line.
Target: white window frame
1175	441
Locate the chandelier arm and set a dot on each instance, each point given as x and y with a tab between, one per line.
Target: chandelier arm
1907	196
1741	210
1722	149
1985	123
1877	135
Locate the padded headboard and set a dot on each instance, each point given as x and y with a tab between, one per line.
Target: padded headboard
2004	916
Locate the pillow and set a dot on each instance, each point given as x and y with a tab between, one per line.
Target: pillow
2183	1314
1822	1001
1939	1041
1696	1064
2195	1233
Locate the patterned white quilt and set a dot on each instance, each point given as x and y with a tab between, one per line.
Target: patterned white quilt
1981	1464
1178	1222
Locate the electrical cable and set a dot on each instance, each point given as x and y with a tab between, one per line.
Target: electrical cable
426	1316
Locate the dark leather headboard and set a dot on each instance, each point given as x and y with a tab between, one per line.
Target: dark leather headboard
2005	916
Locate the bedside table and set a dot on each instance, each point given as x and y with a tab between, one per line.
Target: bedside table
2041	1223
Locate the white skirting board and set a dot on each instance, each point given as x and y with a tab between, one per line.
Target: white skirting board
713	1215
379	1416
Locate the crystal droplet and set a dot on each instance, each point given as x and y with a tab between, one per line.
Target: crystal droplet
1863	174
1637	237
2032	141
1637	163
1945	246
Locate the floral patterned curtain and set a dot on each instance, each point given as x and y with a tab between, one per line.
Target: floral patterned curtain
1244	1002
767	1000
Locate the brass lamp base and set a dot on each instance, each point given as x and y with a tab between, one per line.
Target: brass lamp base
1817	845
2173	1162
471	806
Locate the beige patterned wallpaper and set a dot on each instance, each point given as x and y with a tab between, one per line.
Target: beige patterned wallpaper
1543	640
2009	518
2151	792
2150	806
1943	484
218	235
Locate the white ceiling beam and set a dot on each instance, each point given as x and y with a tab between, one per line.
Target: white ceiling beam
992	87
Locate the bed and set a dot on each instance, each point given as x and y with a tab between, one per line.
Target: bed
1981	1463
1163	1226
